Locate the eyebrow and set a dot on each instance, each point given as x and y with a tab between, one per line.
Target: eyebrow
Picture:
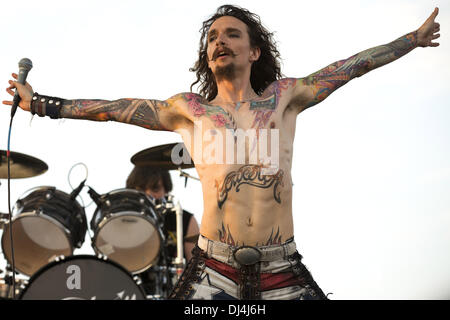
227	30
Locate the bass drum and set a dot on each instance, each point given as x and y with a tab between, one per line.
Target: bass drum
47	224
127	229
82	277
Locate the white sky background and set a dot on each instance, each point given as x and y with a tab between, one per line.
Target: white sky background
371	167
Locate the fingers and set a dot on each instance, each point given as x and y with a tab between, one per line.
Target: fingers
11	92
8	103
435	36
437	27
12	85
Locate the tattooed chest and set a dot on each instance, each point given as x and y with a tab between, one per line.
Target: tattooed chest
257	114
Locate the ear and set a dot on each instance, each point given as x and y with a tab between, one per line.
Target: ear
255	53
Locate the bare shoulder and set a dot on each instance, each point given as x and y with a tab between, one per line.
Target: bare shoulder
279	87
187	97
188	105
281	92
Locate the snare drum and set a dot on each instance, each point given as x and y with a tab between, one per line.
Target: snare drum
82	277
48	224
127	229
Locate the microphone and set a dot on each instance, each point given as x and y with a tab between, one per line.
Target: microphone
25	65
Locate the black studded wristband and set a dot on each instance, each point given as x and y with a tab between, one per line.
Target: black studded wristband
46	106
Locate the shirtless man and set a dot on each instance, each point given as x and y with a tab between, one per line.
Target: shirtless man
246	248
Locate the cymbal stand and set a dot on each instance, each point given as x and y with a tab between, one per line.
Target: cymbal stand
186	176
179	261
9	281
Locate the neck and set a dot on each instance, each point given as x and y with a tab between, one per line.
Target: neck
233	91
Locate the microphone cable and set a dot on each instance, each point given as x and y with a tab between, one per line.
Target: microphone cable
8	156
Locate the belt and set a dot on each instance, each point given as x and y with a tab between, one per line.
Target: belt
245	255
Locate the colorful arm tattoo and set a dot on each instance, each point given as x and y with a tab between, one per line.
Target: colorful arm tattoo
325	81
141	112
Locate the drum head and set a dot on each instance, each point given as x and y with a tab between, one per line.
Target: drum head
129	239
82	277
37	240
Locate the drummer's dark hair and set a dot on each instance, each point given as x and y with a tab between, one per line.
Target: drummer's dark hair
264	71
142	178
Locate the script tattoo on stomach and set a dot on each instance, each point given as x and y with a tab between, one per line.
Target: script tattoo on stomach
251	175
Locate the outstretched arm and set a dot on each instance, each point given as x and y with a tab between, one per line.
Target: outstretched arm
319	85
150	114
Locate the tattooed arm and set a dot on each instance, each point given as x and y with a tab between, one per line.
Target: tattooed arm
150	114
319	85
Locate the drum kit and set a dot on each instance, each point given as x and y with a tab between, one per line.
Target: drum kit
47	226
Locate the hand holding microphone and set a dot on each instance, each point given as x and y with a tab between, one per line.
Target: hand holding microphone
24	92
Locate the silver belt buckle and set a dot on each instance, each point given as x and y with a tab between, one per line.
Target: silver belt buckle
247	255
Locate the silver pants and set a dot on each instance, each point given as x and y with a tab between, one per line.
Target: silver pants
214	273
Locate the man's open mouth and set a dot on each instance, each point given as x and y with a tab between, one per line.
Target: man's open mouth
221	53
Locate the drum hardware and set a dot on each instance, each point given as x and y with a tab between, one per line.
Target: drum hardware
127	229
82	277
161	157
117	209
186	176
7	287
47	223
21	165
179	261
4	218
58	258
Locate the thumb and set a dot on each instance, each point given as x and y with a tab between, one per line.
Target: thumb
434	14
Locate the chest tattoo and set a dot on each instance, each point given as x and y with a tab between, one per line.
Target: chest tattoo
217	114
250	175
267	104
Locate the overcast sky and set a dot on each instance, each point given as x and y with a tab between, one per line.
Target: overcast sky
371	166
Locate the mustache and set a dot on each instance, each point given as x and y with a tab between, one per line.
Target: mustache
225	50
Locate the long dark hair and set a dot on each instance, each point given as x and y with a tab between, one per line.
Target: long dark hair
264	71
142	178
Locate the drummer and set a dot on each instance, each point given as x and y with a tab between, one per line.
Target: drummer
156	183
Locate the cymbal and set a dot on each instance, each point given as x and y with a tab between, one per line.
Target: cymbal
161	157
192	238
22	165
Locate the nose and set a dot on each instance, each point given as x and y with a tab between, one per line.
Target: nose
220	40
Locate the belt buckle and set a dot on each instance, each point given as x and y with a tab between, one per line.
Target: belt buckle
247	255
